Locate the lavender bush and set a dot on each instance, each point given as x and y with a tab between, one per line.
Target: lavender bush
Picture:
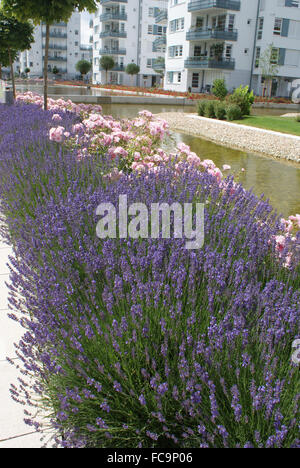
142	343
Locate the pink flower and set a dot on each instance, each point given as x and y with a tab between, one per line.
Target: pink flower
226	167
295	219
280	243
57	118
119	151
56	134
208	163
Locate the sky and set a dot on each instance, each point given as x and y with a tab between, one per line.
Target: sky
85	31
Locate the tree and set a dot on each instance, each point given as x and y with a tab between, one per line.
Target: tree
219	89
47	12
27	70
55	70
4	61
83	66
268	63
14	36
107	63
132	69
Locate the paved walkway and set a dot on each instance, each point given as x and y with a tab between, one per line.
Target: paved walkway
14	433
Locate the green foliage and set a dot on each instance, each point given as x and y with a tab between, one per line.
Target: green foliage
107	62
55	70
14	35
219	89
209	110
298	118
132	69
243	98
218	50
48	11
220	110
233	112
201	106
4	59
83	66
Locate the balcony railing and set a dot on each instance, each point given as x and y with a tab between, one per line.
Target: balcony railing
112	52
56	34
113	16
52	58
119	68
161	17
159	41
158	64
209	4
55	47
103	2
113	34
196	34
206	62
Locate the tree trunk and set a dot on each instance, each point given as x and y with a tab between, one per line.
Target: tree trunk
46	67
0	71
106	76
12	73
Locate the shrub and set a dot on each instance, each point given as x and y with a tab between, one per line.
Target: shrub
243	98
298	118
202	106
219	89
209	110
220	110
233	112
142	343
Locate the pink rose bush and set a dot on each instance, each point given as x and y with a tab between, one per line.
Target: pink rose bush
134	145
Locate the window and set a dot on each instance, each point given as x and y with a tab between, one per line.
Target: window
179	77
257	57
197	51
149	63
231	22
76	43
151	12
228	51
274	56
195	80
199	23
246	51
170	76
150	28
76	32
277	27
260	28
176	51
177	25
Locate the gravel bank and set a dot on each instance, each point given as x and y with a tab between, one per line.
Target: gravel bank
236	136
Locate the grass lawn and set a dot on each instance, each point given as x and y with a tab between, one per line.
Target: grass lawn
275	123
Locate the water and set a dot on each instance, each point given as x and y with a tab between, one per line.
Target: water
278	180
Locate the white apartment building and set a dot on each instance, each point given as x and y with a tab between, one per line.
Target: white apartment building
128	31
65	49
210	39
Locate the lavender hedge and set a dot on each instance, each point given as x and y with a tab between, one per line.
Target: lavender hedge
141	343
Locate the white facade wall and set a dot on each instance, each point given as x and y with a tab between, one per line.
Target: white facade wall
137	22
192	66
64	49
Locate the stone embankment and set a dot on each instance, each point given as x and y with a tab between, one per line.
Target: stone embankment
250	139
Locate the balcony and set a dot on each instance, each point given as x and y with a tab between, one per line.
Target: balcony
56	34
161	17
113	17
55	47
198	34
209	63
160	41
52	58
112	52
158	64
111	33
214	4
104	2
119	68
